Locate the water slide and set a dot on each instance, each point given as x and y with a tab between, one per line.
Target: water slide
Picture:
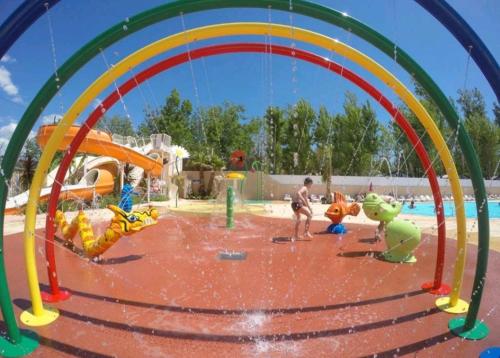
99	179
100	143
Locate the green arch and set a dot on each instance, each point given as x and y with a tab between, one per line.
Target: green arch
149	17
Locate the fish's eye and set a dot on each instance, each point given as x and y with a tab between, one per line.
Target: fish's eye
132	218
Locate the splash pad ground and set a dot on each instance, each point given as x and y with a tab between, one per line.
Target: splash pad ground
165	292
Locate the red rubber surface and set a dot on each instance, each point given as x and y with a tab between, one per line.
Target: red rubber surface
164	293
241	48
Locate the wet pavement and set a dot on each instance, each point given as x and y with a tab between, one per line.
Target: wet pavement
168	292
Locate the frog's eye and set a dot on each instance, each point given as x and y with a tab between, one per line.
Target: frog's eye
132	218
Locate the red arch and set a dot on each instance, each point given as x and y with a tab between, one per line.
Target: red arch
166	64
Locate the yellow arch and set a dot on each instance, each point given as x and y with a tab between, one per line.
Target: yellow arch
237	29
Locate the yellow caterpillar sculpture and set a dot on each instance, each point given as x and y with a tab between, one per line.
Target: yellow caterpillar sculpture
122	224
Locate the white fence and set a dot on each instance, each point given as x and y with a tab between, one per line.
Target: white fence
274	187
352	185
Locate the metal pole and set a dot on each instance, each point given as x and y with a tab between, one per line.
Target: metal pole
121	177
149	187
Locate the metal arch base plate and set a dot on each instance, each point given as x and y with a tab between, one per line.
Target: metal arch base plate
48	316
28	343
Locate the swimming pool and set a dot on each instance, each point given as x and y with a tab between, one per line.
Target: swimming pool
427	209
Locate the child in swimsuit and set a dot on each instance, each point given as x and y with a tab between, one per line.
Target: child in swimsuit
300	205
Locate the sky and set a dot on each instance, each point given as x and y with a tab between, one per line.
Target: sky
252	80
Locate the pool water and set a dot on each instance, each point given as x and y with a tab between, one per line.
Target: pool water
427	209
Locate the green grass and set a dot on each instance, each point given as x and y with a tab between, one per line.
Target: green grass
159	197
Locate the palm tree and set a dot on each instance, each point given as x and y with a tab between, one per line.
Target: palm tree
128	178
325	158
56	160
27	163
75	174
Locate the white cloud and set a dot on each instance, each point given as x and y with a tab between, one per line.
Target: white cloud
17	99
51	118
6	132
5	135
6	118
7	59
8	129
6	82
8	86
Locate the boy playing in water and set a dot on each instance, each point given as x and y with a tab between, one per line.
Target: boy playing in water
300	205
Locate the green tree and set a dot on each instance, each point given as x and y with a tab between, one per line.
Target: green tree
116	125
74	175
356	138
388	150
323	141
56	160
274	125
472	103
485	135
227	130
324	127
298	153
496	113
251	140
325	158
406	149
173	118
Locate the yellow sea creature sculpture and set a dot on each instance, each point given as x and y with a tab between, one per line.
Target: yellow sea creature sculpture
122	224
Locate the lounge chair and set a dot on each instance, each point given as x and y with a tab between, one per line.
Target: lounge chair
315	198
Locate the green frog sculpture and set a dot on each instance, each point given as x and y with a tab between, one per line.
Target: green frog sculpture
401	236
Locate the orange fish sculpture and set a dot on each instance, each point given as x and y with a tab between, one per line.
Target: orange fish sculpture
340	208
